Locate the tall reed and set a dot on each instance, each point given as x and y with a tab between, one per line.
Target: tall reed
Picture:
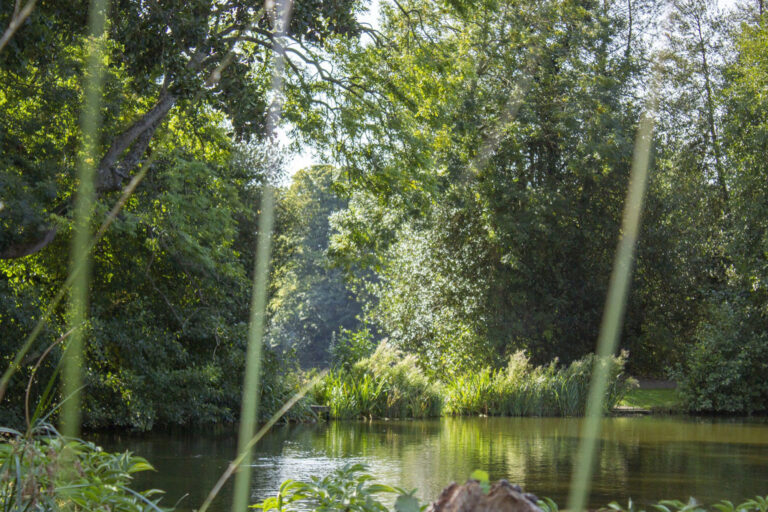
390	384
522	389
386	384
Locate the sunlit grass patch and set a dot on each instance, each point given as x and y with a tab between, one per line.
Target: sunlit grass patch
651	399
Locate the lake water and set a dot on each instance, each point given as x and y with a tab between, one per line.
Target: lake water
645	458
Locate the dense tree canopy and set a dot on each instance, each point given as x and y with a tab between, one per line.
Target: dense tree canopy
519	177
188	83
312	301
200	56
478	154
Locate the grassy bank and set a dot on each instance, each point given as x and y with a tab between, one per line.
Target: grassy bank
390	384
654	400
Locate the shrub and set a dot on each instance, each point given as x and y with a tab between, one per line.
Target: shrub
51	472
725	369
281	380
386	384
351	346
347	488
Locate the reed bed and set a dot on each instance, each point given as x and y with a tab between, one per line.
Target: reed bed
386	384
522	389
390	384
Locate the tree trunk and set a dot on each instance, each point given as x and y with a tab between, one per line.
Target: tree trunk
112	168
26	248
711	118
470	497
110	173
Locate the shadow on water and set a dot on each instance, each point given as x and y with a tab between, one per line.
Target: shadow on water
646	458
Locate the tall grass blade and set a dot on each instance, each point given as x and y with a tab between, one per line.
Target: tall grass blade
34	371
245	451
610	328
80	255
251	385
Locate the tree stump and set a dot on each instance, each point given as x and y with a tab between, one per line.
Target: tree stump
502	497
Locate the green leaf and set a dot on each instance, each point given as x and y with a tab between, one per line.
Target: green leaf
482	477
407	503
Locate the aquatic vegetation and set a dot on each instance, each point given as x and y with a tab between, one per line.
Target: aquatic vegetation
522	389
386	384
390	384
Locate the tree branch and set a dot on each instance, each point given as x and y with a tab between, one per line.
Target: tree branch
26	248
108	174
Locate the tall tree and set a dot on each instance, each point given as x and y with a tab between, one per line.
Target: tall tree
312	301
509	167
189	55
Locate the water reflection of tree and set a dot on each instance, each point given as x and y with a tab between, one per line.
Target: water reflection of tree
639	457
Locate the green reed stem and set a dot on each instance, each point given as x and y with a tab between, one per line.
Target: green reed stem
251	385
80	255
245	452
613	316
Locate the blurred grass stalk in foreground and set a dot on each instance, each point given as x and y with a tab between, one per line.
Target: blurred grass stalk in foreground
280	12
610	328
80	258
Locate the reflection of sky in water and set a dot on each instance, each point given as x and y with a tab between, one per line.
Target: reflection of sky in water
646	458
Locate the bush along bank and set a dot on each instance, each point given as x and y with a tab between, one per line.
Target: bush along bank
390	384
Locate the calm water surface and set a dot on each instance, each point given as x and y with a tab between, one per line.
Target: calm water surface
647	458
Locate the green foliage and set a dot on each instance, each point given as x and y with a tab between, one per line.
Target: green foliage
522	389
49	472
487	205
726	367
169	300
350	347
386	384
312	301
281	380
346	488
169	296
390	384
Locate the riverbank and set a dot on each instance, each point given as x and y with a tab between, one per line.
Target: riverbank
652	400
